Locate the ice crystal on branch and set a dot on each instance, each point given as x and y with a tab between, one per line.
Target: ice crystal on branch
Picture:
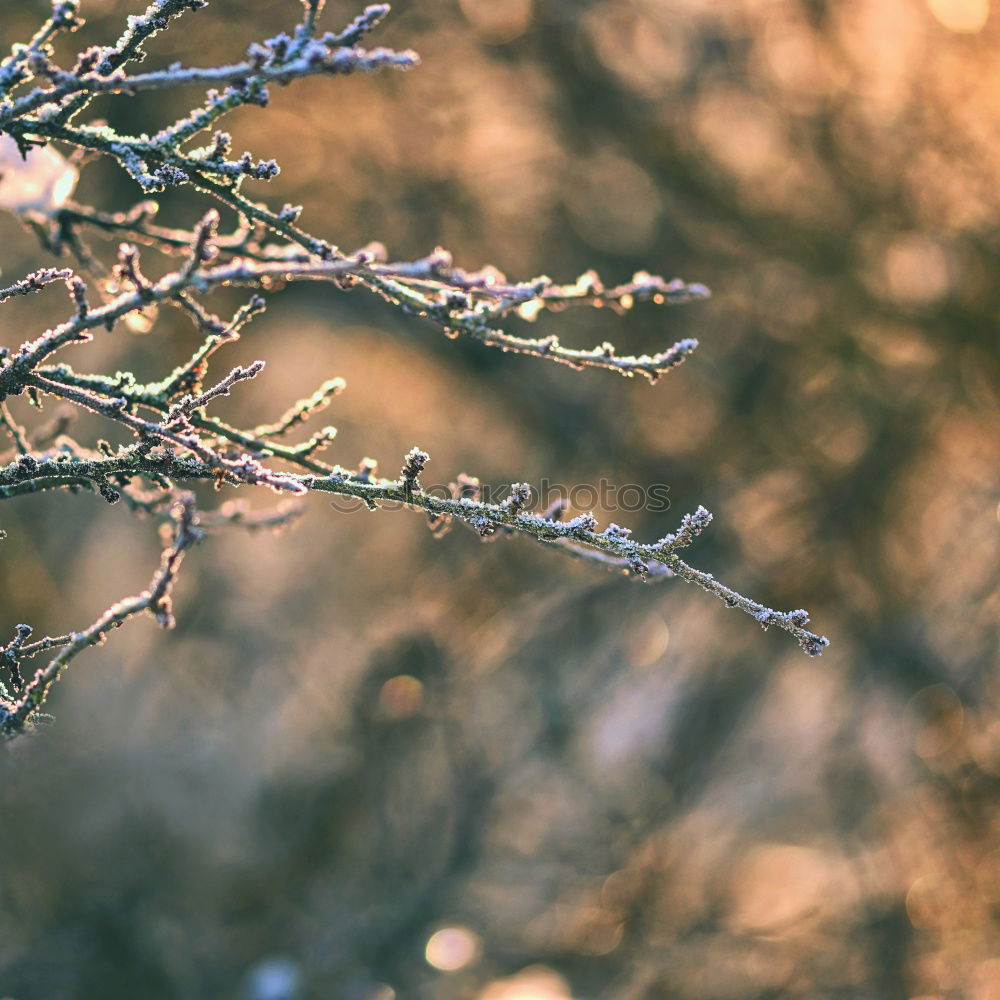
175	438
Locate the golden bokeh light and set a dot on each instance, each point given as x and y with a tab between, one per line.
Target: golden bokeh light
400	697
542	779
964	16
537	982
452	948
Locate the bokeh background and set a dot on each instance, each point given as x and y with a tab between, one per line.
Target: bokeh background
369	764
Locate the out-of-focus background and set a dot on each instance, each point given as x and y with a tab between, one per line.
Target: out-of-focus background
369	764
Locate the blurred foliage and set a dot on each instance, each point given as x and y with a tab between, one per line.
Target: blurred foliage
371	764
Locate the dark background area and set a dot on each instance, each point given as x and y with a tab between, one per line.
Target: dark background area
370	764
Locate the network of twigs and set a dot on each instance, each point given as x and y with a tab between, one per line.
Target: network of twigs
176	441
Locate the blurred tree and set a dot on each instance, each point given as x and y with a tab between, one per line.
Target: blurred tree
596	790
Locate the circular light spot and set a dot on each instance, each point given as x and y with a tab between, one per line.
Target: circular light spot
401	697
141	321
613	203
39	182
649	641
276	978
452	948
964	16
537	982
917	270
621	888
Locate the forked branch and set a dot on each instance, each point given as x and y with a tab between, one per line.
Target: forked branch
175	441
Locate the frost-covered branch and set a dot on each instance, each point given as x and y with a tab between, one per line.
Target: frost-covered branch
175	441
16	712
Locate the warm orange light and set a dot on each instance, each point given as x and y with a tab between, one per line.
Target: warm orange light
537	982
967	16
401	697
452	948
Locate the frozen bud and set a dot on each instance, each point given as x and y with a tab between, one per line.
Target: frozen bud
483	525
582	522
108	492
413	465
617	531
814	645
520	497
638	567
692	525
42	182
767	617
